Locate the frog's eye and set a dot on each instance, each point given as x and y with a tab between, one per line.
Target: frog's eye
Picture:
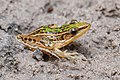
73	31
73	22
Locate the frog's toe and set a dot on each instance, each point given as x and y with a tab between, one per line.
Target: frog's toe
65	54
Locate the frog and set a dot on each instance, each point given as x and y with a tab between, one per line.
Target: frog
49	39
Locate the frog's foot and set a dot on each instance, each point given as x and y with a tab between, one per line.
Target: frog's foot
67	55
70	56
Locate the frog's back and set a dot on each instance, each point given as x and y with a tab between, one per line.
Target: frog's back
53	29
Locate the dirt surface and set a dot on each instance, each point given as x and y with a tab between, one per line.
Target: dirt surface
99	49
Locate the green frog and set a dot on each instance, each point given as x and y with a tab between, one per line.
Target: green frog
51	38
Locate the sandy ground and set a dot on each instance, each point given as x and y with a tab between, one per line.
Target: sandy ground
99	49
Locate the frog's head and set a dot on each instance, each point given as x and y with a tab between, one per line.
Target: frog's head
74	30
71	31
79	27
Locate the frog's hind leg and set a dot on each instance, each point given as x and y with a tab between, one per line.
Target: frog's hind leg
65	54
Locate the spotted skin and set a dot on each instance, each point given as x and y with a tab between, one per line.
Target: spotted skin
50	38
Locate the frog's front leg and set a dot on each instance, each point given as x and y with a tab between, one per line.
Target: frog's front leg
64	54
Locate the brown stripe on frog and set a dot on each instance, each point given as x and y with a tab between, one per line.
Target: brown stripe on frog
57	37
52	38
50	29
83	28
